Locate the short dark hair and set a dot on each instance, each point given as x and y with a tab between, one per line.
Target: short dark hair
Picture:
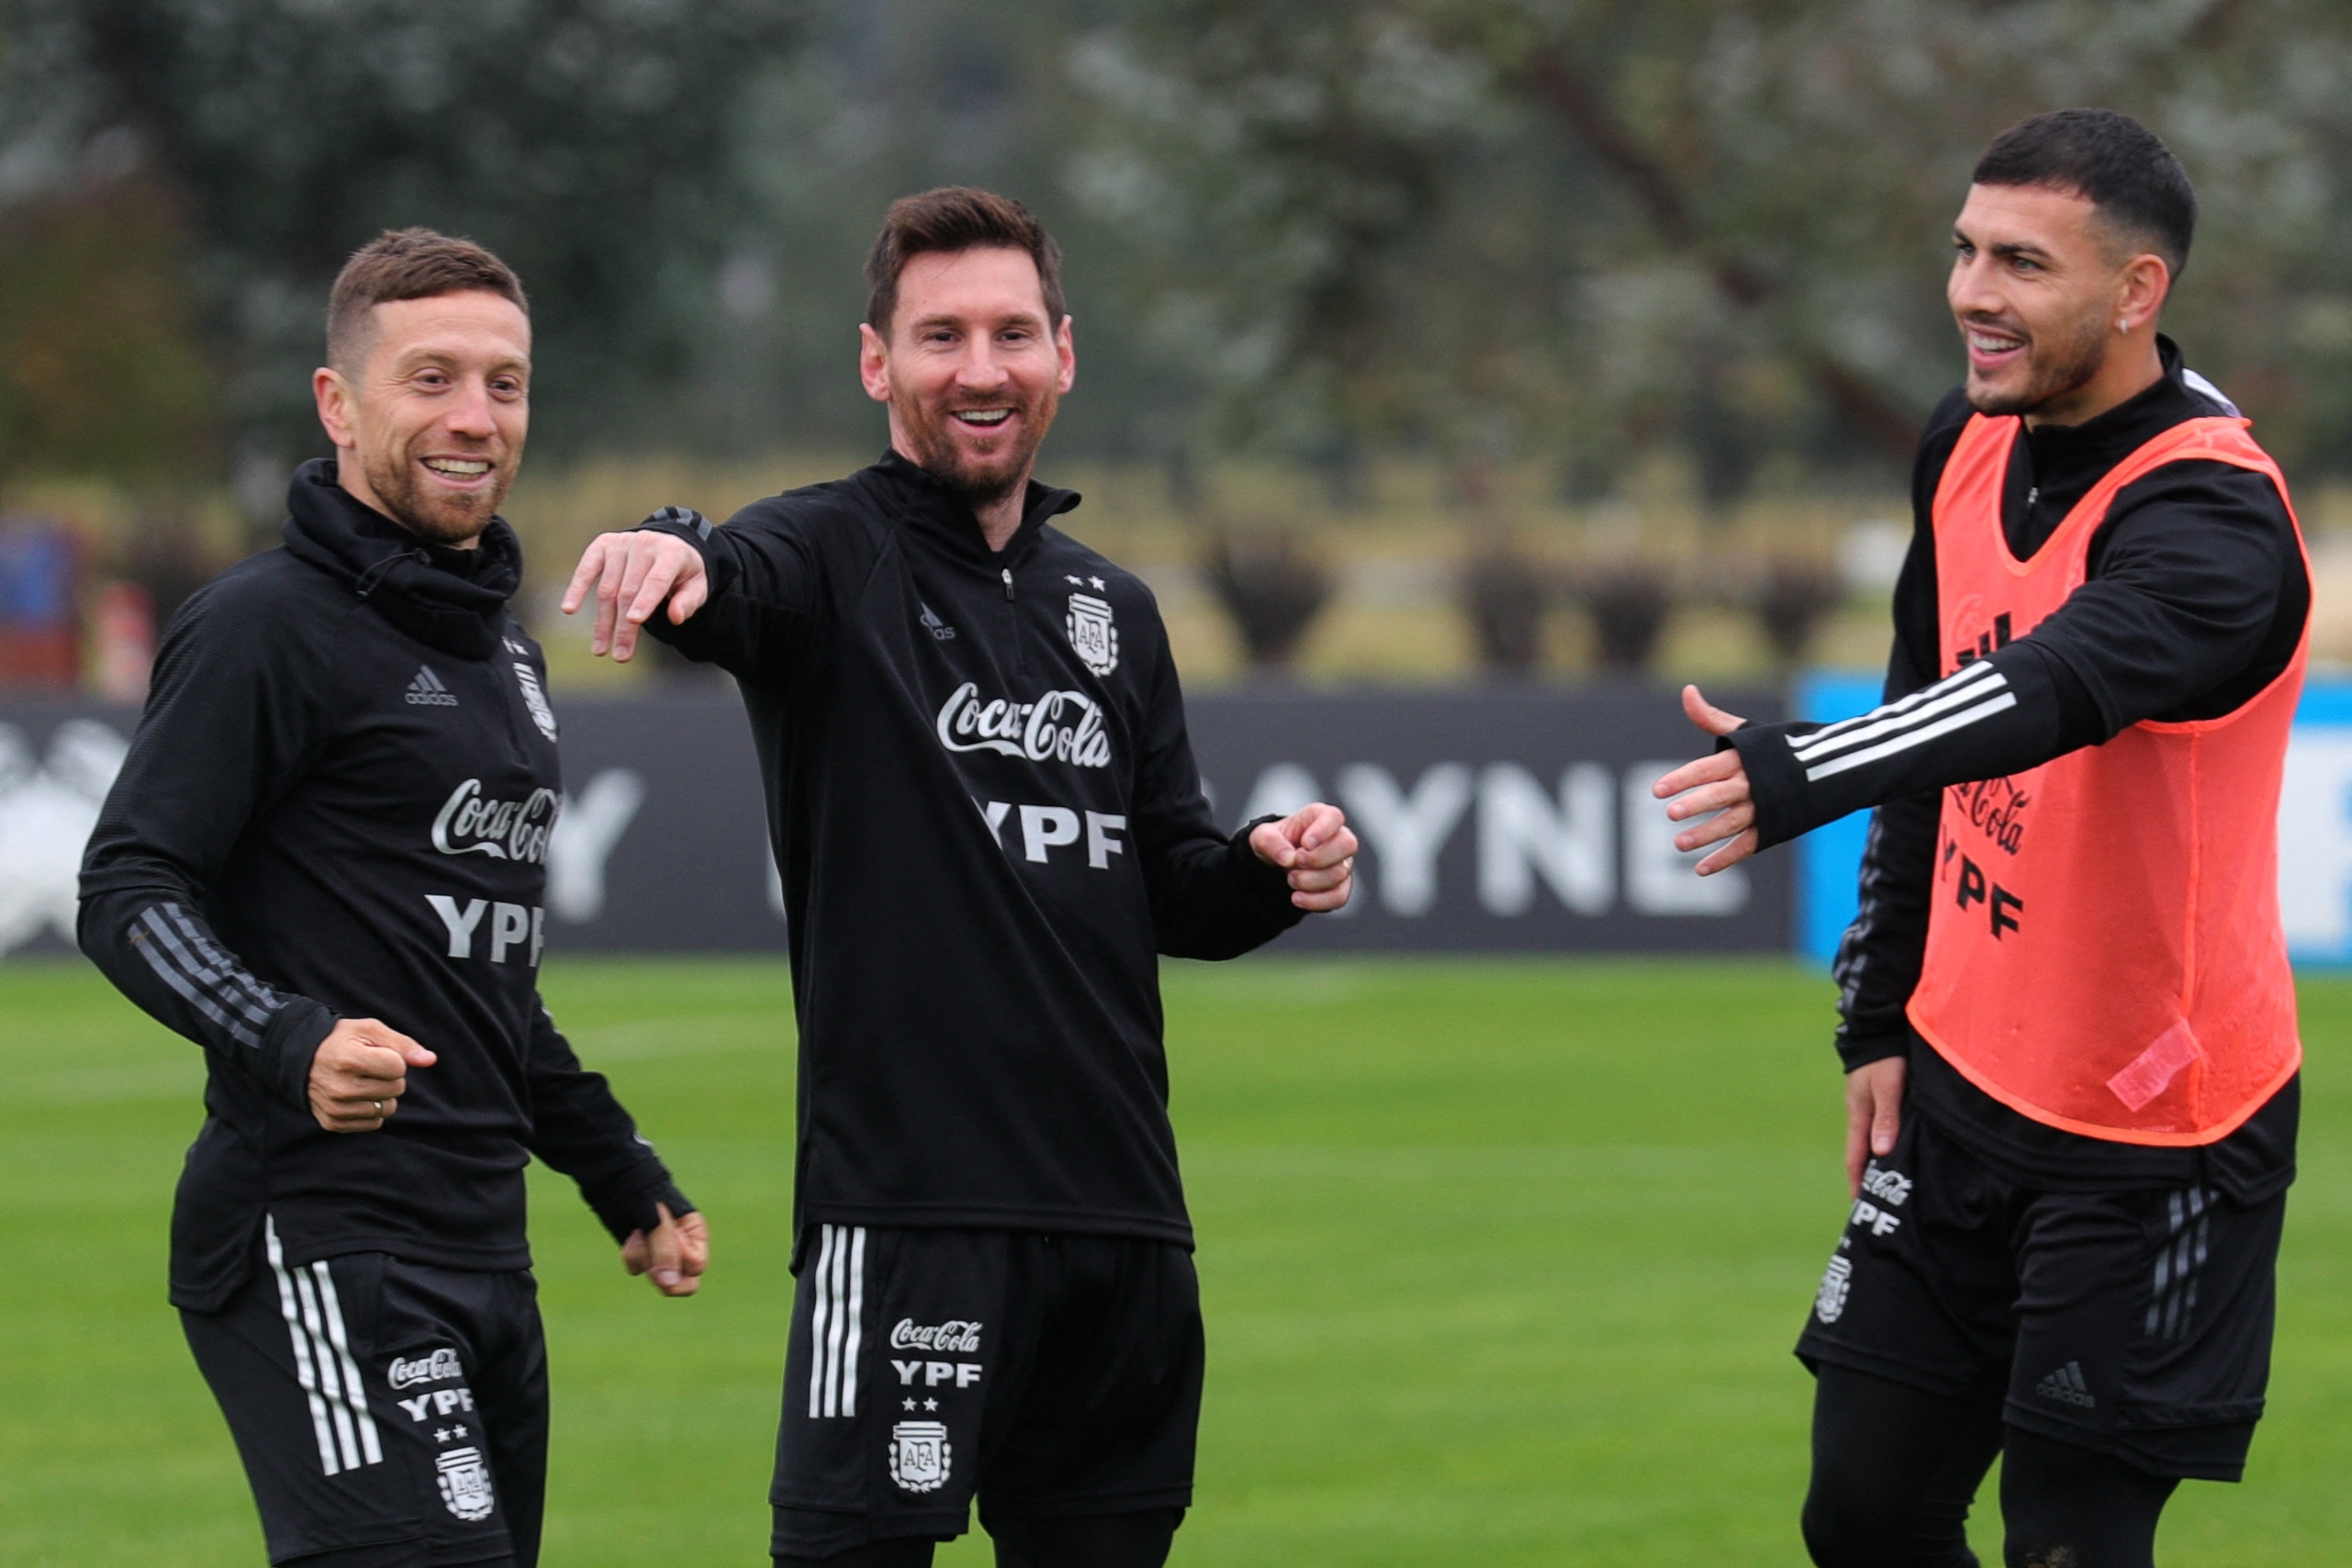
2110	160
408	263
952	218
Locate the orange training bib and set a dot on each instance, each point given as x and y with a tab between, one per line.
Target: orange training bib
2104	953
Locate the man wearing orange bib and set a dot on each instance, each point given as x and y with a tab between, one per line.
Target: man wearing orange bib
2068	1021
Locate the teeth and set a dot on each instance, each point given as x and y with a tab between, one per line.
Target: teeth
983	416
1991	345
456	467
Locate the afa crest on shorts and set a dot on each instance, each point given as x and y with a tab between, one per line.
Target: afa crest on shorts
1829	1302
919	1455
464	1482
1091	633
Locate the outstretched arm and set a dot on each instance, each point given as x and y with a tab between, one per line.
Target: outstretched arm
739	597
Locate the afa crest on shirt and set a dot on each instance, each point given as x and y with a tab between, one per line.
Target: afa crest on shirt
1092	635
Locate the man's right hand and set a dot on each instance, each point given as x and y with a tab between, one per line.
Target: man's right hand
360	1074
632	574
1873	1113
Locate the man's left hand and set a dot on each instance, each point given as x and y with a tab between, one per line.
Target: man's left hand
1317	848
1718	784
675	1254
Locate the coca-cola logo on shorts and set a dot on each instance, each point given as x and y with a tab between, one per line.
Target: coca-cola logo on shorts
951	1336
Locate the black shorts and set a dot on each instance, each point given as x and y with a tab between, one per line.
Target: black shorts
1059	1376
386	1405
2136	1323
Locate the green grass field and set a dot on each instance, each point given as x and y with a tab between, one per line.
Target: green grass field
1503	1261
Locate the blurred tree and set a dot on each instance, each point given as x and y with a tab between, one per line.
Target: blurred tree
593	143
1588	227
99	371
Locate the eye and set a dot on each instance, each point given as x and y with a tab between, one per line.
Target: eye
431	380
2025	264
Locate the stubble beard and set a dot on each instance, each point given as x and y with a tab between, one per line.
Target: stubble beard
446	520
2073	362
978	486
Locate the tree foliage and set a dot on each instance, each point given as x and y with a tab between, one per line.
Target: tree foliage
591	142
1589	228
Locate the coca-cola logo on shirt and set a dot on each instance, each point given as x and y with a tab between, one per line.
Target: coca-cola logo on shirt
1060	726
474	824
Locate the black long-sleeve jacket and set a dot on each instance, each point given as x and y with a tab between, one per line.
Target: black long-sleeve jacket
338	804
2195	598
988	820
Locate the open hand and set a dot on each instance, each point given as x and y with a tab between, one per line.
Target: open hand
1317	848
1717	783
632	574
675	1254
360	1072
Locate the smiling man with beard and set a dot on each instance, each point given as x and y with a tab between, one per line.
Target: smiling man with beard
2069	1027
988	822
325	861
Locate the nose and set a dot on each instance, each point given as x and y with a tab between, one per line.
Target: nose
1971	289
980	370
468	414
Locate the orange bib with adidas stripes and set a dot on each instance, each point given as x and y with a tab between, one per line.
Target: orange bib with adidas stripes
2104	952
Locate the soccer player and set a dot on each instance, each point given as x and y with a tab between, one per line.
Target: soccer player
2068	1022
988	822
324	862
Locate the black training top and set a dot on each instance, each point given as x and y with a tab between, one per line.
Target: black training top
988	820
338	805
2195	601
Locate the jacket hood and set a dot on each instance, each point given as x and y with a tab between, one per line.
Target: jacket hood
455	600
946	520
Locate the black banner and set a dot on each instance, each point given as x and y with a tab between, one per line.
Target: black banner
1491	819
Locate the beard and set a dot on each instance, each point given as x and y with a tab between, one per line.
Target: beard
2070	362
434	515
979	482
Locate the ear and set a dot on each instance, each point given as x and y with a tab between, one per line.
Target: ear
333	395
1067	356
2145	285
873	362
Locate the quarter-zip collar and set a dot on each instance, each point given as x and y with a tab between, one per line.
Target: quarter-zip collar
2056	465
944	521
455	600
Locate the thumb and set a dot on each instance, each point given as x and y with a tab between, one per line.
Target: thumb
1707	716
416	1055
667	1254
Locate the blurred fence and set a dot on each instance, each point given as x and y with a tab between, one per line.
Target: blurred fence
1491	819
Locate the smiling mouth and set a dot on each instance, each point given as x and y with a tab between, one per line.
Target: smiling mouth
457	467
980	419
1992	343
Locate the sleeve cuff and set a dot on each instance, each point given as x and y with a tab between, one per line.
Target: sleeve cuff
1861	1050
289	1046
1270	884
1776	779
630	1207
